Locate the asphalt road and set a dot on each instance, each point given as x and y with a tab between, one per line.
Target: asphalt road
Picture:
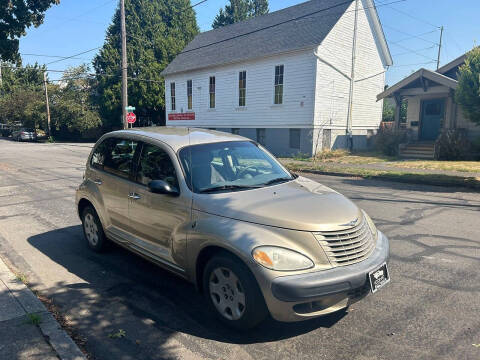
430	310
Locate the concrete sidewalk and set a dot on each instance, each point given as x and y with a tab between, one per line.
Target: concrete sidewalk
20	336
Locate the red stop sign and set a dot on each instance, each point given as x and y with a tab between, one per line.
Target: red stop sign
131	118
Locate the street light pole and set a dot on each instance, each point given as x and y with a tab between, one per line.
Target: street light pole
124	64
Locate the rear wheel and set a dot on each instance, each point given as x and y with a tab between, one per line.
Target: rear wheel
93	230
233	293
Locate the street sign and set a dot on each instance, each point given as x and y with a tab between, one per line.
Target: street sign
130	108
131	118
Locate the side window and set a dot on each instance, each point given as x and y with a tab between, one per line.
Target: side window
119	157
155	164
100	153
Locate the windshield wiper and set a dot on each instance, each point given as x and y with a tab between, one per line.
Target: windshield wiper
227	187
278	180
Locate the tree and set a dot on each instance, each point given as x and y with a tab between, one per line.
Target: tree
22	99
467	93
240	10
74	113
157	30
388	111
15	17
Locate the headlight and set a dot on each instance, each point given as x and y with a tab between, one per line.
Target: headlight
281	259
371	225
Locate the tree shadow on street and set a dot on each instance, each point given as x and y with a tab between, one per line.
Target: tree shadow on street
155	308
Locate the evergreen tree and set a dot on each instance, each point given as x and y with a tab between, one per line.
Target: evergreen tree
240	10
157	30
15	17
468	90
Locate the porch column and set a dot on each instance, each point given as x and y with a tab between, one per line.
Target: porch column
453	110
398	105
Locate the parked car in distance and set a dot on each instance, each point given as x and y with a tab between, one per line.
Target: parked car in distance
24	134
220	211
5	130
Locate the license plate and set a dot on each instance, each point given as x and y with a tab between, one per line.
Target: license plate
379	277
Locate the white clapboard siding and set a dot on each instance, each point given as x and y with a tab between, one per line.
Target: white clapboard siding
296	110
334	61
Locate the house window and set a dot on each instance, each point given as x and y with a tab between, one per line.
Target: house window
278	98
172	95
211	90
189	95
261	137
242	88
295	139
235	131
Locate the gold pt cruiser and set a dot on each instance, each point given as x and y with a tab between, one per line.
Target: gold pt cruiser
220	211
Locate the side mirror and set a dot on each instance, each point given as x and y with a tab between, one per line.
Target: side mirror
162	187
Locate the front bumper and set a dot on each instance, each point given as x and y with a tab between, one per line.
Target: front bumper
300	297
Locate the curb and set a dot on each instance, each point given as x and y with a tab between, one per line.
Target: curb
53	333
389	178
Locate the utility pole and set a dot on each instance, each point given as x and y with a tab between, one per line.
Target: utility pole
439	47
352	80
47	103
124	65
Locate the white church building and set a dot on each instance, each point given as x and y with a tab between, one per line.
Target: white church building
297	80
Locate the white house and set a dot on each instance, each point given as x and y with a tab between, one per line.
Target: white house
285	79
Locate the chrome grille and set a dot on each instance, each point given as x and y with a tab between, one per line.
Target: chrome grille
346	247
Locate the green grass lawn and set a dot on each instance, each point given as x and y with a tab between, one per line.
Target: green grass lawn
398	169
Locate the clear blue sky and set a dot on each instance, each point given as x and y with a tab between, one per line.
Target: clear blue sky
75	26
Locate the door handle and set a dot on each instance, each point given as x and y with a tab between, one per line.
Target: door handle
134	196
97	181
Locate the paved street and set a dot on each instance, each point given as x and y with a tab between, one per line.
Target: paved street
430	310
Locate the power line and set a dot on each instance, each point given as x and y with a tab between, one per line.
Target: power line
409	35
425	63
415	36
417	50
289	20
70	57
414	52
413	17
50	56
87	74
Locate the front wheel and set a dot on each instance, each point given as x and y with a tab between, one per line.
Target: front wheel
93	230
233	293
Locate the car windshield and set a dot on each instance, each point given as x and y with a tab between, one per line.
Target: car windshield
230	166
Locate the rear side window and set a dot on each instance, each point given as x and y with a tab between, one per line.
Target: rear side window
155	164
115	156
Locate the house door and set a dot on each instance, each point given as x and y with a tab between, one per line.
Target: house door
432	117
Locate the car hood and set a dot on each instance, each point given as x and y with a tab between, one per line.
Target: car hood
301	204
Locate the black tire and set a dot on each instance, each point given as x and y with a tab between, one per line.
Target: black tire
254	310
92	226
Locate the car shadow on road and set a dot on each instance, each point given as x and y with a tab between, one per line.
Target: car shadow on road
122	290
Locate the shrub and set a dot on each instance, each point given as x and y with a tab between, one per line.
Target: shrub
453	145
388	139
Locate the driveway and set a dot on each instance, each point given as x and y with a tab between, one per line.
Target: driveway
430	310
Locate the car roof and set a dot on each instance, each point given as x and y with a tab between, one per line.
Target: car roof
178	137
